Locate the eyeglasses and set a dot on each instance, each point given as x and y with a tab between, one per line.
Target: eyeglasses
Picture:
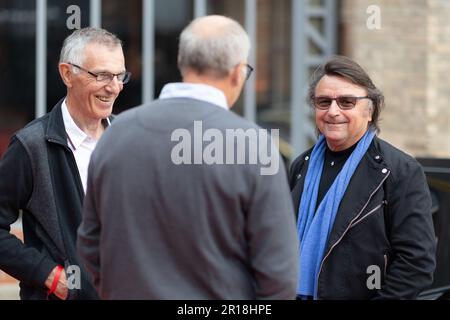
344	102
249	71
107	77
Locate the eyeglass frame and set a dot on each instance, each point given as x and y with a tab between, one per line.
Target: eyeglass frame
337	102
249	71
111	75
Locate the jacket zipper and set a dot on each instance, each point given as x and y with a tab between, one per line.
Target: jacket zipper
79	183
385	265
369	213
348	228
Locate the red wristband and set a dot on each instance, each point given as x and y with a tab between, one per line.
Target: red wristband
59	269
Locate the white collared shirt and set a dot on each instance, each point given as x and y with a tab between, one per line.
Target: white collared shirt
196	91
79	142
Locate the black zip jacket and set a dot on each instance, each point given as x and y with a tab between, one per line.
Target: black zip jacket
383	224
39	175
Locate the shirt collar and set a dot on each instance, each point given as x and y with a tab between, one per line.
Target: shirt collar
75	134
196	91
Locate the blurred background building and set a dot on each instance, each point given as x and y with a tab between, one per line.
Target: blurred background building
403	44
406	55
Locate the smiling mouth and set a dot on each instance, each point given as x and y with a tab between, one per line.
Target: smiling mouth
104	99
335	123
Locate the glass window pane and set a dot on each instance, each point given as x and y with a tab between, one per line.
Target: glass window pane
273	59
17	71
273	84
234	9
171	17
57	31
124	18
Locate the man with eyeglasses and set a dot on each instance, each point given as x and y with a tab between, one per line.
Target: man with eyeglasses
190	230
44	171
364	208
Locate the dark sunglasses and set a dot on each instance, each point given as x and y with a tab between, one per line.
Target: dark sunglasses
344	102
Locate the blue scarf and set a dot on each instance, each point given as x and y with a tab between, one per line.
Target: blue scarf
314	229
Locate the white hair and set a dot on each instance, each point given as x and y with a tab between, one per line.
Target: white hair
214	48
74	45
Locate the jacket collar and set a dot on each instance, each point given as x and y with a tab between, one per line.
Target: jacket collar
301	175
55	131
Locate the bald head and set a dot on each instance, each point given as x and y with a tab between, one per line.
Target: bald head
212	45
212	26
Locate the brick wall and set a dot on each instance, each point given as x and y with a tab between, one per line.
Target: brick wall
438	89
408	59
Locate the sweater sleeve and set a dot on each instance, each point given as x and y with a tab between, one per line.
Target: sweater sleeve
88	239
273	242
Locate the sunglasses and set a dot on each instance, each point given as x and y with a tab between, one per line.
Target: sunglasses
344	102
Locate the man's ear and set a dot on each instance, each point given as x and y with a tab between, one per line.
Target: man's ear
65	71
370	108
236	75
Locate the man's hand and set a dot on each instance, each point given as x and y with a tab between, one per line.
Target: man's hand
61	290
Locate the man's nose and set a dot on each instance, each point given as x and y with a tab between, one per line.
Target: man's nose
115	86
334	109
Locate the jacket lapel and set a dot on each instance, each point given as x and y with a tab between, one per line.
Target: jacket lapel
55	131
298	189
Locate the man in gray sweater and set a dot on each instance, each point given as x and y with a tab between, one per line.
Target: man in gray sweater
185	199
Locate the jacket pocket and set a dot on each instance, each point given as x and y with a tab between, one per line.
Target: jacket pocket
368	214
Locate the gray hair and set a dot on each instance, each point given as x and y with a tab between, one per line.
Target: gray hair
73	47
215	50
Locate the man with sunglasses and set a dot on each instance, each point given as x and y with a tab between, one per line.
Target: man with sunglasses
44	172
363	207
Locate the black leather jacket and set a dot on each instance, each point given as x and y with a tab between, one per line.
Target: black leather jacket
383	225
